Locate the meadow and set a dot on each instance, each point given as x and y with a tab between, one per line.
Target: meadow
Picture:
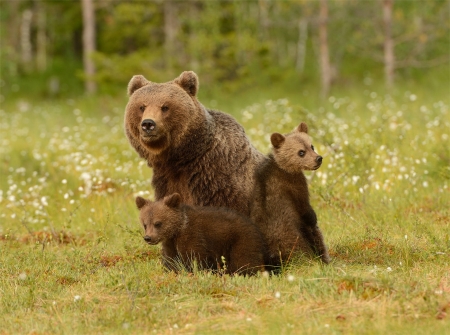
72	258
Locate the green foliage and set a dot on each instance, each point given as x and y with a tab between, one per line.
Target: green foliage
238	44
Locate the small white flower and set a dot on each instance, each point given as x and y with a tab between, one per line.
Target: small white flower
406	237
389	269
425	184
64	181
23	276
249	319
277	295
77	298
290	278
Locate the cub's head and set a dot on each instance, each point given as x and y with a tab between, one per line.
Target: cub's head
294	152
161	219
158	116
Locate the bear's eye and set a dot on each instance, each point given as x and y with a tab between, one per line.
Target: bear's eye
312	147
164	108
301	153
142	108
157	224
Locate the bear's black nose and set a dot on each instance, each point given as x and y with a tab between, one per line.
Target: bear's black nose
147	238
148	125
319	159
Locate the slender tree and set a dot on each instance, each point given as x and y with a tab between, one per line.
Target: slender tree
88	44
389	57
171	28
325	66
41	40
26	47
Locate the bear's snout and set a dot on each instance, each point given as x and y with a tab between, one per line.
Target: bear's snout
319	160
148	239
148	125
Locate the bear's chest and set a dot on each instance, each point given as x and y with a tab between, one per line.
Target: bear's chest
169	183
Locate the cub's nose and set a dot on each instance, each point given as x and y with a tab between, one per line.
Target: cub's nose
319	159
147	239
148	125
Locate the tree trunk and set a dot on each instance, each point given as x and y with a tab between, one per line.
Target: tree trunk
389	58
41	41
170	33
194	58
324	53
88	45
263	18
26	48
301	45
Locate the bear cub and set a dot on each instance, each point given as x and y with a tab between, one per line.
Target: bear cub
281	206
215	238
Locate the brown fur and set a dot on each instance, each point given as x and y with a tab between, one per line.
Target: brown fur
202	154
281	207
202	234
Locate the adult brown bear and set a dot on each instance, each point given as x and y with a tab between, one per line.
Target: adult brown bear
202	154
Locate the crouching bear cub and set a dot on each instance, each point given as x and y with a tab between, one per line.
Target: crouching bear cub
205	235
281	207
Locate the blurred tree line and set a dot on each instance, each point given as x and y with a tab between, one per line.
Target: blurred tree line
104	43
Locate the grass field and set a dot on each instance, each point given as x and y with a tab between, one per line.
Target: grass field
72	258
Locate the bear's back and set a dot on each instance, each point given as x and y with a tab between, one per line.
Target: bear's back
218	227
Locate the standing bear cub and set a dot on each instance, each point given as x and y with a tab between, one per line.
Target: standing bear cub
202	154
281	207
214	238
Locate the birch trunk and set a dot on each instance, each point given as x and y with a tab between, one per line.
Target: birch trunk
88	45
324	52
389	57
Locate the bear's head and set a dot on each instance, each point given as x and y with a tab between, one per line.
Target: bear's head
294	152
159	116
162	219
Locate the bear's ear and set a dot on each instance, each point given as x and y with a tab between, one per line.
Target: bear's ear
136	83
188	81
277	140
303	128
140	202
172	200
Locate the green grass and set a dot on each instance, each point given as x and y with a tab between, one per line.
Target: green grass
72	259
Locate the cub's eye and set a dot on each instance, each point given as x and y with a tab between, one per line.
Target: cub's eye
164	108
312	147
142	108
301	153
157	224
145	226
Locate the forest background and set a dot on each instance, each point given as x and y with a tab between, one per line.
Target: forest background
370	78
231	44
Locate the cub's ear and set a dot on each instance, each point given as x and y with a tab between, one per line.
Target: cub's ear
136	83
303	128
172	200
140	202
277	140
188	81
